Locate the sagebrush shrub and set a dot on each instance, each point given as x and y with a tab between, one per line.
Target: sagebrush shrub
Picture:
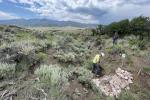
66	57
141	44
52	74
117	49
7	70
84	75
42	57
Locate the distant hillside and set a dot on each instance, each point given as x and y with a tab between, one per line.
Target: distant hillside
43	22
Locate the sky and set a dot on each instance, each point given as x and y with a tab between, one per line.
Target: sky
83	11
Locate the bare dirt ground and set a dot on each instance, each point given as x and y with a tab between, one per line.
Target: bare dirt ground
79	92
51	59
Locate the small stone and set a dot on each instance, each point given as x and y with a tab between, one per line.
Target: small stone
122	71
128	88
125	77
130	81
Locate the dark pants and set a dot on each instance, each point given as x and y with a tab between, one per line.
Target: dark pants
114	41
97	69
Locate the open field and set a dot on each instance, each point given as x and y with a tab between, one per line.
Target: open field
63	29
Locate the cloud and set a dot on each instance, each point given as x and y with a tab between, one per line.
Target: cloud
86	11
5	16
126	11
14	1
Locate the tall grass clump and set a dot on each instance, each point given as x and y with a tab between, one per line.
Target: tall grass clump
42	57
54	80
52	74
7	70
84	75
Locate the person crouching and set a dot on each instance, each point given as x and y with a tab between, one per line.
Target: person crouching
97	69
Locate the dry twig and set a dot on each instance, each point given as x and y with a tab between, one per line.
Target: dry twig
4	93
45	94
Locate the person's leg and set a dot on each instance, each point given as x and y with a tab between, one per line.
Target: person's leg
97	70
113	41
116	41
93	68
101	70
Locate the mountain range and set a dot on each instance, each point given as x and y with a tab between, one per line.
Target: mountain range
43	23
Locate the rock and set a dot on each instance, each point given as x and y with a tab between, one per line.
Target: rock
130	81
77	92
127	88
114	83
126	77
122	70
123	55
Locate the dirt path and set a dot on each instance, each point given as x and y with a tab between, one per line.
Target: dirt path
78	92
51	59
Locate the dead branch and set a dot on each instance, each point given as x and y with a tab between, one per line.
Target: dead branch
11	83
11	98
4	93
12	93
139	72
4	85
42	90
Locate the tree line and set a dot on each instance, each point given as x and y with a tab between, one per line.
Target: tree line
138	26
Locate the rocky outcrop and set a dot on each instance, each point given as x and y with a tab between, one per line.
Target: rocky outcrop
113	84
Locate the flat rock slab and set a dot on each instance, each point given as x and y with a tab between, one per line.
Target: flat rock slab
112	85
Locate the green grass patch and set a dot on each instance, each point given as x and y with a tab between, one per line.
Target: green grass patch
52	74
42	57
1	28
7	70
146	69
22	35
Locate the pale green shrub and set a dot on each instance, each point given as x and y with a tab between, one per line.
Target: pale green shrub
52	74
42	57
40	35
41	43
116	49
84	75
54	80
25	46
7	70
88	64
141	44
66	57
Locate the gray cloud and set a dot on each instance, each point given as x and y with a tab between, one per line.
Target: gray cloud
95	12
6	16
87	11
